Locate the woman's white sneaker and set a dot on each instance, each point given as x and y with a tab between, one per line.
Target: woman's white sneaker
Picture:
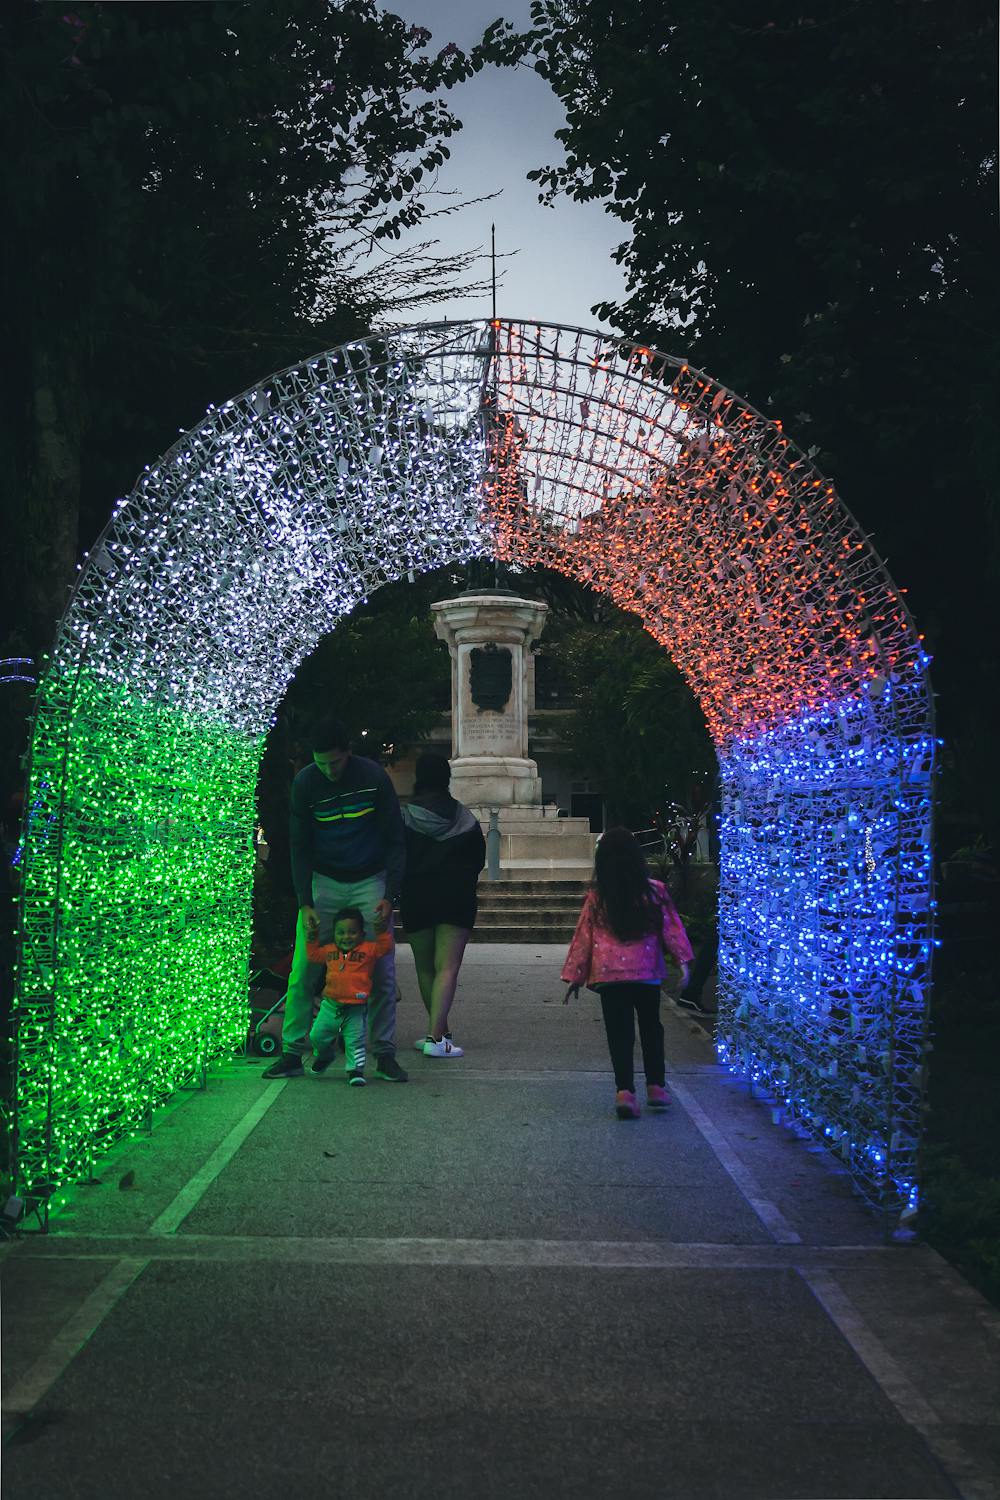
443	1048
422	1041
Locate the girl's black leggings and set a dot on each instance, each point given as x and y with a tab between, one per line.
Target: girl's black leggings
622	1005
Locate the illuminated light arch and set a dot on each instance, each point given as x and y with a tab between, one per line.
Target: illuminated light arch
284	509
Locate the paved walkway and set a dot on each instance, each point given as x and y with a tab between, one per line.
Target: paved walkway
483	1284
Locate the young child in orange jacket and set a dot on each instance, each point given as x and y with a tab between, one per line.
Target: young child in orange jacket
350	961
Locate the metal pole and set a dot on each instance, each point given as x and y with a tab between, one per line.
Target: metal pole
493	263
493	845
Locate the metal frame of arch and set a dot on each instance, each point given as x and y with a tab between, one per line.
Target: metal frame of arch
541	445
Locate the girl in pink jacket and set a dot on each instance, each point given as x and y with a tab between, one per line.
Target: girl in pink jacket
626	927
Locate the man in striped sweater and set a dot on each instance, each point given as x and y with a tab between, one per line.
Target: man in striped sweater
347	849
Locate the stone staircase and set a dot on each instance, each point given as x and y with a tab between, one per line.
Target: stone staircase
528	911
525	911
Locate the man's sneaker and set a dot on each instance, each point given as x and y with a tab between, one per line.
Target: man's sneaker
657	1096
418	1045
689	1003
322	1060
626	1105
356	1077
389	1069
443	1048
288	1065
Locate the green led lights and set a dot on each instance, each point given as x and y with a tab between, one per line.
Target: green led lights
137	916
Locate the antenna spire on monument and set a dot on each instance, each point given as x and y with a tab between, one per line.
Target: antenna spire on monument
493	264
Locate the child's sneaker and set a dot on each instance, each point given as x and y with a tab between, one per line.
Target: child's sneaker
322	1060
444	1048
626	1105
356	1078
657	1096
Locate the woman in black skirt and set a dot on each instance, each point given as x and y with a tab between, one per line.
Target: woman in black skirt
445	851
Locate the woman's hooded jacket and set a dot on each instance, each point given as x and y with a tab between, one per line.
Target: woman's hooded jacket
442	838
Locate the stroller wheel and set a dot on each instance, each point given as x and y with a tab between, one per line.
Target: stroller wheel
265	1044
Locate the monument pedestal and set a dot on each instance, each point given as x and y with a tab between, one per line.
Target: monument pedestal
488	781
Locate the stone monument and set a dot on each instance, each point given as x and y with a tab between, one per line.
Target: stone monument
489	633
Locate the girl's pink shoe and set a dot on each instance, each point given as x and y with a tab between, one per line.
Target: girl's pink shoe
626	1105
657	1096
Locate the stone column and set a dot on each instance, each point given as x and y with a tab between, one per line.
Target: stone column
489	635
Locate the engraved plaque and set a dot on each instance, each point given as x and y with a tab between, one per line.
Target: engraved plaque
490	733
491	676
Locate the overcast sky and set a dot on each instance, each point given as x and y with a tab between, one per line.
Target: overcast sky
563	264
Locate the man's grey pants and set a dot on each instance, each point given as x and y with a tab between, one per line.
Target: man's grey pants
329	897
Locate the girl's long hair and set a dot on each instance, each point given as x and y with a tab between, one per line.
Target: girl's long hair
626	902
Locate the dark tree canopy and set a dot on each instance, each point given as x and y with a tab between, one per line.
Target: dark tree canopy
809	197
190	194
634	725
185	187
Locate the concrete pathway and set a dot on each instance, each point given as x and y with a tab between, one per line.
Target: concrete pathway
483	1284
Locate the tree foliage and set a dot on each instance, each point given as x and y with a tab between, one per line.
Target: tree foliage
383	670
635	726
810	205
188	188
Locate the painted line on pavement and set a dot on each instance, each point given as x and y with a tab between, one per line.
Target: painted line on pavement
968	1476
369	1251
459	1070
43	1374
767	1212
473	1074
177	1211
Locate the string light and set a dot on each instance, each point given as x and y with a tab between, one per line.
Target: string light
545	447
649	481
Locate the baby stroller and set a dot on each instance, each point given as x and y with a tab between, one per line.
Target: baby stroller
267	1010
268	987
